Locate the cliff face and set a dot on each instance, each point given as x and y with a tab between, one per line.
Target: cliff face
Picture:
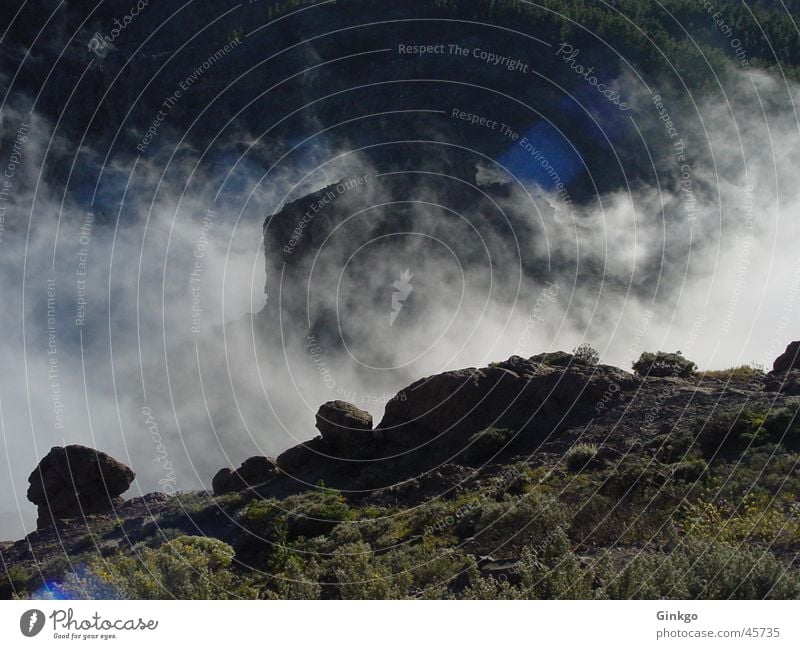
393	211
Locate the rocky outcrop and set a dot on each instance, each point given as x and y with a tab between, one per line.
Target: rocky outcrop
528	396
431	422
254	471
344	426
787	383
75	481
789	360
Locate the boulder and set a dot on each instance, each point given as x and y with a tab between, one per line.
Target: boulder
522	395
257	469
225	481
75	481
789	360
343	425
254	471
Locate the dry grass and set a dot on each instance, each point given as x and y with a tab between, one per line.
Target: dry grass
740	372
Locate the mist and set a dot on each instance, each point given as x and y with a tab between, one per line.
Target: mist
132	284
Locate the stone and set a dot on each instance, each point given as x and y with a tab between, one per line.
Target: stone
343	425
518	394
75	481
254	471
789	360
225	481
787	383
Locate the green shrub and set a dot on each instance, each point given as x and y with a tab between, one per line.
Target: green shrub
693	570
736	431
579	455
485	444
703	570
585	354
664	364
13	582
154	536
315	512
297	578
552	571
548	570
183	509
670	447
309	514
359	575
506	527
265	519
189	567
755	519
634	475
689	470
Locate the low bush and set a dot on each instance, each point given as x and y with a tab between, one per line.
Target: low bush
585	354
664	364
755	519
508	526
486	444
689	470
733	432
13	582
704	570
315	512
579	455
189	567
693	570
739	372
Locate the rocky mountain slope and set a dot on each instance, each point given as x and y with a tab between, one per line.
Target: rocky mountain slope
539	477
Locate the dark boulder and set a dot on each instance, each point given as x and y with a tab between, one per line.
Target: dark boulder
254	471
527	396
75	481
257	469
344	426
789	360
225	481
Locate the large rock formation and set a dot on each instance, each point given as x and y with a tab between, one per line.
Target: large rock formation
434	420
75	481
254	471
789	360
532	397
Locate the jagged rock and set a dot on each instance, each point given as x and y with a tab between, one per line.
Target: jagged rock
789	360
75	481
254	471
343	425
